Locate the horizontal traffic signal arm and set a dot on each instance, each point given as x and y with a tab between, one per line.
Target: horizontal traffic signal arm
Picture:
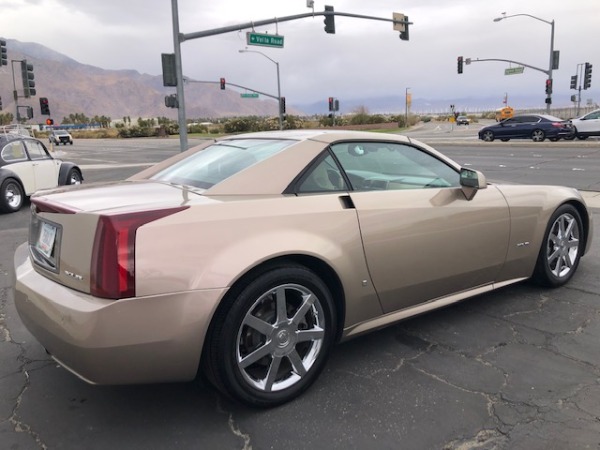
251	25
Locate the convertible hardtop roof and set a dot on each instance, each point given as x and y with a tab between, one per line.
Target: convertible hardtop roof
321	135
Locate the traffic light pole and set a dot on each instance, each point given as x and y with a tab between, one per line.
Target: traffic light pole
551	64
178	38
183	135
547	72
275	97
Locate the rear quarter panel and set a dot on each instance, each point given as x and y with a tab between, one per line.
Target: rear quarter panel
212	246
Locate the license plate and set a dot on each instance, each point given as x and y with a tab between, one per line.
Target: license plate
45	242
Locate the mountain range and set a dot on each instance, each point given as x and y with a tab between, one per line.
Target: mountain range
72	87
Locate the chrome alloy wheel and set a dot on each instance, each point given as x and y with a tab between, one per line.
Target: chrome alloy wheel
280	338
13	195
562	245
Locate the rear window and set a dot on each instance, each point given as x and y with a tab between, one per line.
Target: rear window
220	161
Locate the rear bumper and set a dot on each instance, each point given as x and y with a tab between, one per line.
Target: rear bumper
139	340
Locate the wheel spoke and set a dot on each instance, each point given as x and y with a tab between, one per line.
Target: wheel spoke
307	302
316	334
281	305
272	373
259	325
297	363
257	354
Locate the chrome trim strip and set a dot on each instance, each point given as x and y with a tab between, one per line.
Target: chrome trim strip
388	319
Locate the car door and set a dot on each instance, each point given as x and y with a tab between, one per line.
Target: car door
16	160
45	168
506	128
422	239
527	124
590	123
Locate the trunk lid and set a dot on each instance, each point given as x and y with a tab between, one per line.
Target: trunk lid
64	223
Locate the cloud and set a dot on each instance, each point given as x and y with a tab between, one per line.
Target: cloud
363	58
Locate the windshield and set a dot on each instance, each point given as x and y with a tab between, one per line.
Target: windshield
220	161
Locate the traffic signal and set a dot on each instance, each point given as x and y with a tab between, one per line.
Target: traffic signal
329	20
548	86
282	105
0	103
222	81
404	34
49	121
28	77
574	82
29	112
459	65
331	104
171	101
44	106
3	56
587	76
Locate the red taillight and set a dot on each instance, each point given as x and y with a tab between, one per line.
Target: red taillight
113	254
558	124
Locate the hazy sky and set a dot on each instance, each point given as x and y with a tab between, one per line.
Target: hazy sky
364	58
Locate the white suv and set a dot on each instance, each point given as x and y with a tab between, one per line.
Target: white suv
60	137
586	126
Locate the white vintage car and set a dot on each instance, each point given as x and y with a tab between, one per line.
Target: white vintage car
26	166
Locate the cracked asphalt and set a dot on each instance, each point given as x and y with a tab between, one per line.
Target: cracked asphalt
518	368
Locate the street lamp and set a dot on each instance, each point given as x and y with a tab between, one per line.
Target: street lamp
278	83
551	64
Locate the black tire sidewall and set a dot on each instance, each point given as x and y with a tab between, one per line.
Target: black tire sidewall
4	206
543	275
70	176
224	339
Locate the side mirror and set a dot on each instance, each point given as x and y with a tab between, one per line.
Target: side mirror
471	181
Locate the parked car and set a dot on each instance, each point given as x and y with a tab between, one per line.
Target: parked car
462	120
586	126
536	127
26	166
247	258
60	137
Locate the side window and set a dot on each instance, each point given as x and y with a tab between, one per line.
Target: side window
13	152
36	150
325	176
594	115
390	166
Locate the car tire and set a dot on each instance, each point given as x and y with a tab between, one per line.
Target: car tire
269	341
561	248
505	139
554	139
11	196
74	177
488	136
538	135
571	136
582	137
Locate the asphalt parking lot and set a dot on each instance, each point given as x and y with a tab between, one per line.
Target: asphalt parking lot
518	368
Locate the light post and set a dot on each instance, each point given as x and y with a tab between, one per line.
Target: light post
551	64
278	83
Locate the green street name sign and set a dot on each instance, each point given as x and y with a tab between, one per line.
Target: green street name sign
266	40
254	95
514	70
